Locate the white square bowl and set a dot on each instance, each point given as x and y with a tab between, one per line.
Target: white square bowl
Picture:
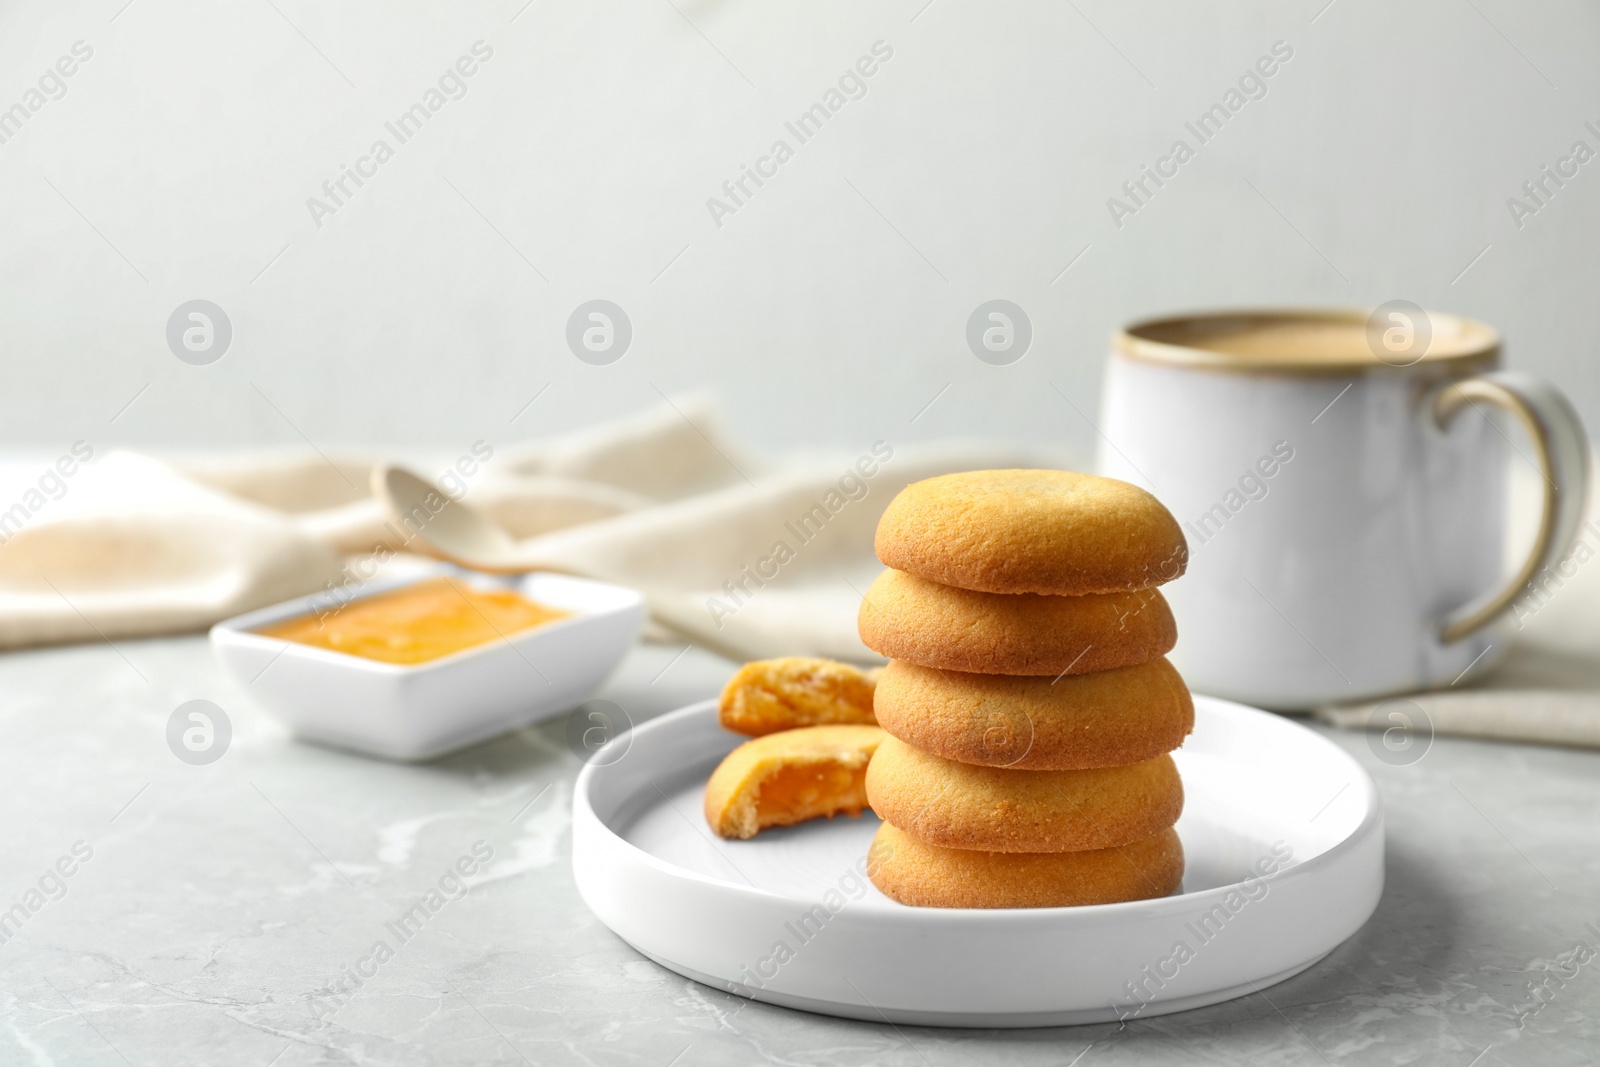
419	711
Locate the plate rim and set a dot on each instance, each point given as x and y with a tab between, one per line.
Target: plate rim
1371	823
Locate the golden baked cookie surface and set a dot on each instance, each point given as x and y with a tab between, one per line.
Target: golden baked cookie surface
1079	721
910	618
1031	531
789	777
782	694
926	875
996	809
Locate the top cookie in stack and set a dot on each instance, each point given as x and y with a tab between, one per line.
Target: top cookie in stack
1029	706
1023	531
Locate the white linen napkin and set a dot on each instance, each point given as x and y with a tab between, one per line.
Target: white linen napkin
133	548
661	501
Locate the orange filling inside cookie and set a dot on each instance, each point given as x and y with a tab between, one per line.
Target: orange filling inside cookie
789	777
791	794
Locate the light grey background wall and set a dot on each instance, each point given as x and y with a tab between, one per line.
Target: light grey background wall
830	308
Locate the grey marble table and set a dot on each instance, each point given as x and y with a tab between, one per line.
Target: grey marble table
228	913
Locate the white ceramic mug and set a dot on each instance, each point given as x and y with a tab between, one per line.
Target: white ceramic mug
1343	490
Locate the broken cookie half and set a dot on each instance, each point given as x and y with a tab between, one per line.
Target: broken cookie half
795	691
791	776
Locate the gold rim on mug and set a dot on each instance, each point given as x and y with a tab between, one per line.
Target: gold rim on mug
1243	341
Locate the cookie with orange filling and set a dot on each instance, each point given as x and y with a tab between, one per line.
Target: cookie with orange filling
789	777
782	694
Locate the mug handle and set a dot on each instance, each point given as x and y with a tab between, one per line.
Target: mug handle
1563	459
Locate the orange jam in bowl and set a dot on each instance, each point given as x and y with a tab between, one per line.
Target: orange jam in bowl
421	622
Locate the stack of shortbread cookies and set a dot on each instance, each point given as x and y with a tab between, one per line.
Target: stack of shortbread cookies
1029	706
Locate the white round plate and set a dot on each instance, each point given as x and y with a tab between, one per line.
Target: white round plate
1283	833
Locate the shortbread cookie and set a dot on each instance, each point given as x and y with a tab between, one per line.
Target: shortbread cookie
996	809
781	694
1106	719
789	777
1032	531
925	875
910	618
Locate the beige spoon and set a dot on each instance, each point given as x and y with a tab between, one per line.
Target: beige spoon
464	536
